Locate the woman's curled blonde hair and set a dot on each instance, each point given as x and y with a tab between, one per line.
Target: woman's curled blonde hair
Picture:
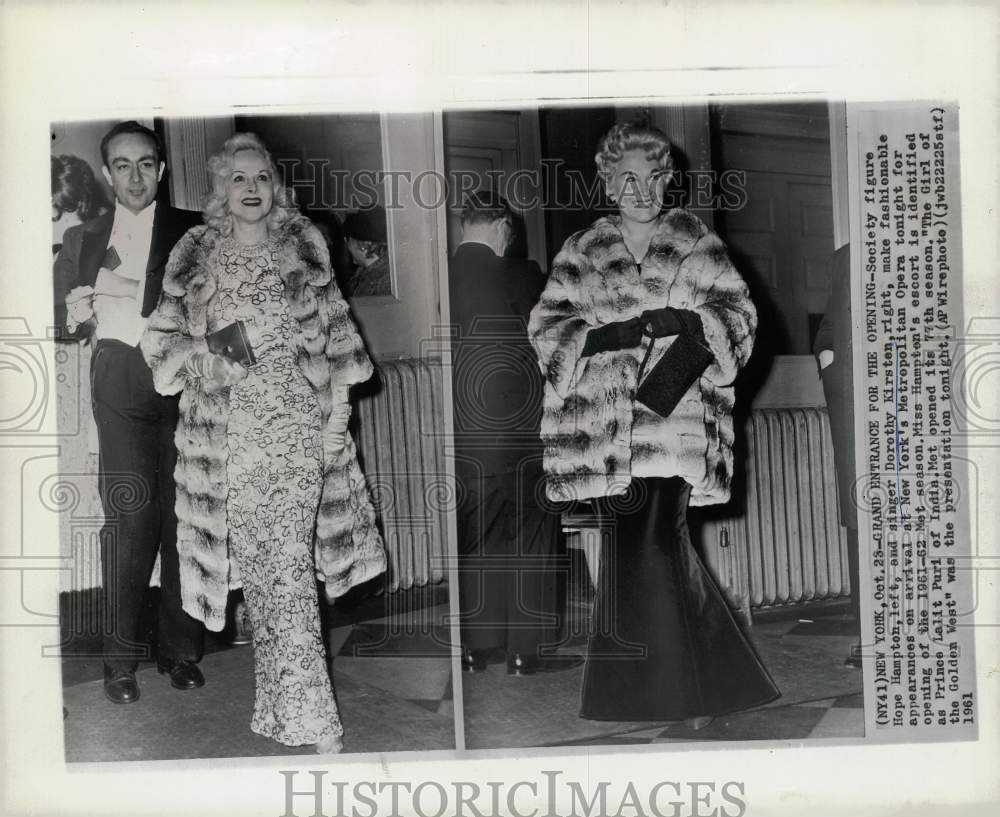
216	209
628	136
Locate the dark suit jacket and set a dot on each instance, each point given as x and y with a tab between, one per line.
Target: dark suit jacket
495	374
83	250
838	380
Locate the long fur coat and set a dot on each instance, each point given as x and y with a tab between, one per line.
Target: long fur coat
348	547
596	437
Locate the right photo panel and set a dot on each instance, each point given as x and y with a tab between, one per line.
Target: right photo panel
654	433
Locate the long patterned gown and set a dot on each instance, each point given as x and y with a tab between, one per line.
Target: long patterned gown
274	473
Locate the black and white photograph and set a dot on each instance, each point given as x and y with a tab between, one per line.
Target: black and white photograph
569	410
684	561
217	366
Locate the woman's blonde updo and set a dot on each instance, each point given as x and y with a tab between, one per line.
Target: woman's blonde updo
216	209
628	136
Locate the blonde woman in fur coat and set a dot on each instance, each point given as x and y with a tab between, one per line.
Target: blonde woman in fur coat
269	491
640	332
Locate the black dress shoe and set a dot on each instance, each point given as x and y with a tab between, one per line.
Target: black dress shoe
120	686
475	660
183	674
518	664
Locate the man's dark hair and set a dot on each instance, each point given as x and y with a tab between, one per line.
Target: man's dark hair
131	127
485	207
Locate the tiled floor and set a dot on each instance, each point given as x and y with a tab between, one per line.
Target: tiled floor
820	697
391	673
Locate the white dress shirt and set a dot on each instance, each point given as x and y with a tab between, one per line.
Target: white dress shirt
118	293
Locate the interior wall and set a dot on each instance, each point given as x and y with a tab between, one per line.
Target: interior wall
82	139
406	325
189	143
569	138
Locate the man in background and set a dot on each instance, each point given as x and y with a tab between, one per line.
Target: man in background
112	269
511	553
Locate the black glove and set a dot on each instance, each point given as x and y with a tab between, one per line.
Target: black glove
661	323
613	336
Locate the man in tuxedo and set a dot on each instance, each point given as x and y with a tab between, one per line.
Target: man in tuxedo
512	562
112	271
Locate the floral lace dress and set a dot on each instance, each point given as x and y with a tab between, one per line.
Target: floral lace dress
275	478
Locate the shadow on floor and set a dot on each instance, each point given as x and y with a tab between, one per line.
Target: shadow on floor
391	674
820	697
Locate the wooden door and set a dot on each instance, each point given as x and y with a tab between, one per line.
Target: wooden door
781	237
496	150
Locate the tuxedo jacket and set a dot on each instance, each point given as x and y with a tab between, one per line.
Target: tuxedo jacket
497	385
84	246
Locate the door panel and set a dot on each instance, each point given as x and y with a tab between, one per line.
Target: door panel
781	240
810	221
501	149
480	161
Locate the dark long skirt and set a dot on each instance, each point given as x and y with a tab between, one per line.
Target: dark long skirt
665	646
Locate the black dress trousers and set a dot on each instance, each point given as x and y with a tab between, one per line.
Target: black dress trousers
135	428
512	562
512	565
664	645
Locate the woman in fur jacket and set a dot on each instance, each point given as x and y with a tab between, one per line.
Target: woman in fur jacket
269	492
640	333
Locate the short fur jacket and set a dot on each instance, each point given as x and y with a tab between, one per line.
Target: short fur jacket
596	437
348	547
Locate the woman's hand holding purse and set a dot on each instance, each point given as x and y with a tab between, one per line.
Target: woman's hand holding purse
680	366
215	371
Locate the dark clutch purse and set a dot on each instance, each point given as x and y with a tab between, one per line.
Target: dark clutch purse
231	341
681	365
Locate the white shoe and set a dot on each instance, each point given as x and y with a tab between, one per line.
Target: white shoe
241	622
330	745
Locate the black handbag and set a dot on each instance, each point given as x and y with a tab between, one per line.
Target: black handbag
232	342
681	365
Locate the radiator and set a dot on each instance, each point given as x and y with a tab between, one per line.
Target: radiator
785	544
399	431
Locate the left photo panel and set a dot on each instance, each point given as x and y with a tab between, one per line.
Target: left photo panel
252	424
